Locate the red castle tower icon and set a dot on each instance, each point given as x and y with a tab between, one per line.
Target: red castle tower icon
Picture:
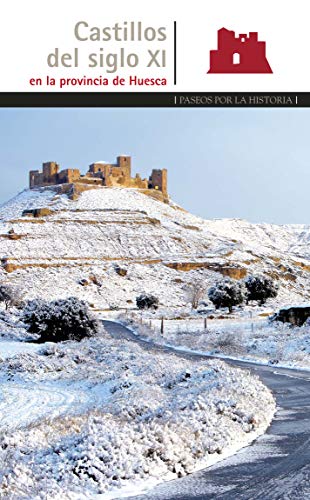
243	54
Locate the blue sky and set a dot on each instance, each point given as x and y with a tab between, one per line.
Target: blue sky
245	163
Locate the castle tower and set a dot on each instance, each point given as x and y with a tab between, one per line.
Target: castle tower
33	176
158	180
124	163
50	171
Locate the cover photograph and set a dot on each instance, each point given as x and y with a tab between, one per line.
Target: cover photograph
154	251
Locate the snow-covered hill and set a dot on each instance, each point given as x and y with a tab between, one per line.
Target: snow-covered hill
75	250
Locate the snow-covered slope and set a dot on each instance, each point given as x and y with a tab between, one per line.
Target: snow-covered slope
107	417
162	247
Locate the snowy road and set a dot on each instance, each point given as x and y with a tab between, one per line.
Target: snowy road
276	466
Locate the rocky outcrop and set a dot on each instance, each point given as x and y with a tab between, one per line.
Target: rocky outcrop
11	235
37	212
237	273
234	272
8	266
302	265
121	271
296	315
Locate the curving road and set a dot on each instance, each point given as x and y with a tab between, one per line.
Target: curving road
276	466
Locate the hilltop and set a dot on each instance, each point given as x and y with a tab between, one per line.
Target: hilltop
110	244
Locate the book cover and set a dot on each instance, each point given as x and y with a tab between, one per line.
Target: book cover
154	250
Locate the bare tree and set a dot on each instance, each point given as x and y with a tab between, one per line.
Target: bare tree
195	292
10	296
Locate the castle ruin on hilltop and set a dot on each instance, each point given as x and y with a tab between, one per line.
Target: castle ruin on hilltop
99	174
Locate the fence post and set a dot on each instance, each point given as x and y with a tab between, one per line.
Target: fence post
162	326
205	323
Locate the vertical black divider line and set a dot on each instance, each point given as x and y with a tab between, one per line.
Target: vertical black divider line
175	51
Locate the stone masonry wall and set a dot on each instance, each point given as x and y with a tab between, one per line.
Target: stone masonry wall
99	174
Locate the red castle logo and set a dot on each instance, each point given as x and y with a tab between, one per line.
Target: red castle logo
243	54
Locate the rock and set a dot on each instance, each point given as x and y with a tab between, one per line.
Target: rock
296	315
8	266
289	276
93	278
11	235
37	212
273	362
235	272
121	271
84	282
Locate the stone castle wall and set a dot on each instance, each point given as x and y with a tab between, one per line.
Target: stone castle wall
99	174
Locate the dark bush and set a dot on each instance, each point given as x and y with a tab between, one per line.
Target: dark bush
227	293
147	302
260	288
59	320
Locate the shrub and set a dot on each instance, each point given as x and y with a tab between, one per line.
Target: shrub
260	288
147	302
59	320
227	293
228	342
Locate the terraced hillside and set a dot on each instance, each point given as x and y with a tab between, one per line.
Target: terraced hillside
112	243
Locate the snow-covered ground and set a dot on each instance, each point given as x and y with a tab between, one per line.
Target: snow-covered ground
104	416
162	247
252	339
87	419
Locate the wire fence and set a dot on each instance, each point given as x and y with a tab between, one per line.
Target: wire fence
165	325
